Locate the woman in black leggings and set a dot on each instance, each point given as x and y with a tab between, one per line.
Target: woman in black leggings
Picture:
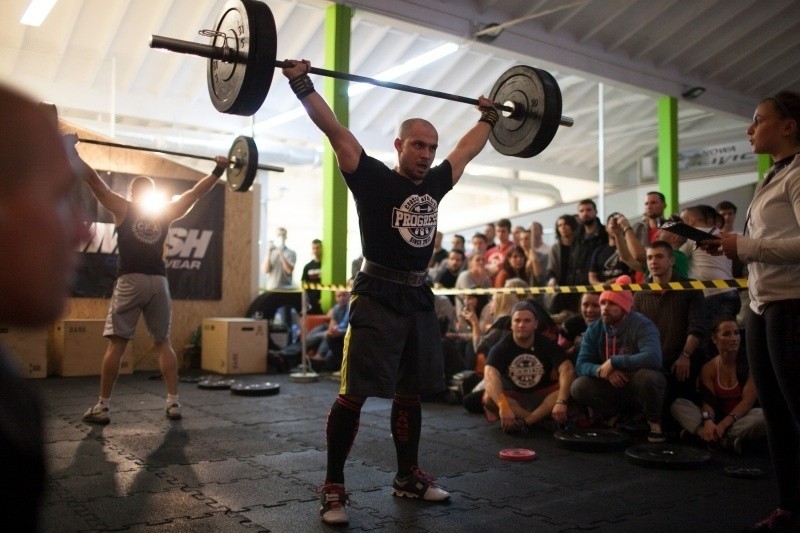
771	247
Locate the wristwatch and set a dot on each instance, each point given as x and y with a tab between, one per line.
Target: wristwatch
706	416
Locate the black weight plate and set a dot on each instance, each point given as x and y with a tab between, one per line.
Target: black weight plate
216	384
537	101
668	456
192	379
255	389
590	440
240	87
245	153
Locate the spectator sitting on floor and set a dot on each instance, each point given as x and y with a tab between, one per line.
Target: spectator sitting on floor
329	353
570	333
619	364
728	416
527	376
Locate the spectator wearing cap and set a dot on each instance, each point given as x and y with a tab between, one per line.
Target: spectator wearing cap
619	364
527	376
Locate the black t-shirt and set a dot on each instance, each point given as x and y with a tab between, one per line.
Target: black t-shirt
312	273
397	219
140	239
607	264
526	369
572	327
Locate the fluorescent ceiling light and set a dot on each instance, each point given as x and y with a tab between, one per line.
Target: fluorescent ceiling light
37	11
411	65
387	75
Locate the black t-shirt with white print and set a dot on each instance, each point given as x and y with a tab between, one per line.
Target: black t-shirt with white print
397	220
526	369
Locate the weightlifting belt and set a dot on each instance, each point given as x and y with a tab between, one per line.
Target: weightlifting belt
413	278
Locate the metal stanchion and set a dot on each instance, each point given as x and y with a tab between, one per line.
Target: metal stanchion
306	373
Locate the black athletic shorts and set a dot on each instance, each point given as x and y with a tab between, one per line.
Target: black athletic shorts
386	352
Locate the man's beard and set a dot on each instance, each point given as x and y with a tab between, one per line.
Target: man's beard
589	221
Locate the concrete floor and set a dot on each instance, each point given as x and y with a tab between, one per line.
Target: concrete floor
240	463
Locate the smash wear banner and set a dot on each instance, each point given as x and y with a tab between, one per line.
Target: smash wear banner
192	251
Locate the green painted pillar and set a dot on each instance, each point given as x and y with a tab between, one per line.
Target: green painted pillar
668	152
334	191
763	163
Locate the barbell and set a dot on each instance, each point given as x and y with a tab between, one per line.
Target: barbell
242	156
242	61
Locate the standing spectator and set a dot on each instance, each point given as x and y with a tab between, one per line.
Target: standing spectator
654	205
489	231
41	225
619	364
727	210
527	376
559	261
448	274
438	256
279	263
458	243
704	266
771	248
680	319
591	235
479	245
474	276
515	265
312	273
606	263
497	254
516	235
393	347
537	232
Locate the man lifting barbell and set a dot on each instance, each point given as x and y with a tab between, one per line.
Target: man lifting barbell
141	286
391	347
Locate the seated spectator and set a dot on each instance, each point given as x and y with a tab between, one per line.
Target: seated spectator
329	352
527	377
479	245
727	417
514	266
619	364
570	333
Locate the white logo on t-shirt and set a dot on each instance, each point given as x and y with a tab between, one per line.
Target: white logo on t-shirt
147	230
416	220
526	371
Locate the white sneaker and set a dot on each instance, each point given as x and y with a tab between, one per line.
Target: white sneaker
96	415
174	411
420	485
333	504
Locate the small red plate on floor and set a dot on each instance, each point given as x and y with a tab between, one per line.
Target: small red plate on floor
517	454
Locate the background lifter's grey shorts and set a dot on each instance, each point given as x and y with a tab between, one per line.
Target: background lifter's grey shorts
136	294
387	353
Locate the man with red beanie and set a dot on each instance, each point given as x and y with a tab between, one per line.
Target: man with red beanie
619	363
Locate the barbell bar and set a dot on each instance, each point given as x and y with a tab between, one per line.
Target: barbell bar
228	55
242	61
242	157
